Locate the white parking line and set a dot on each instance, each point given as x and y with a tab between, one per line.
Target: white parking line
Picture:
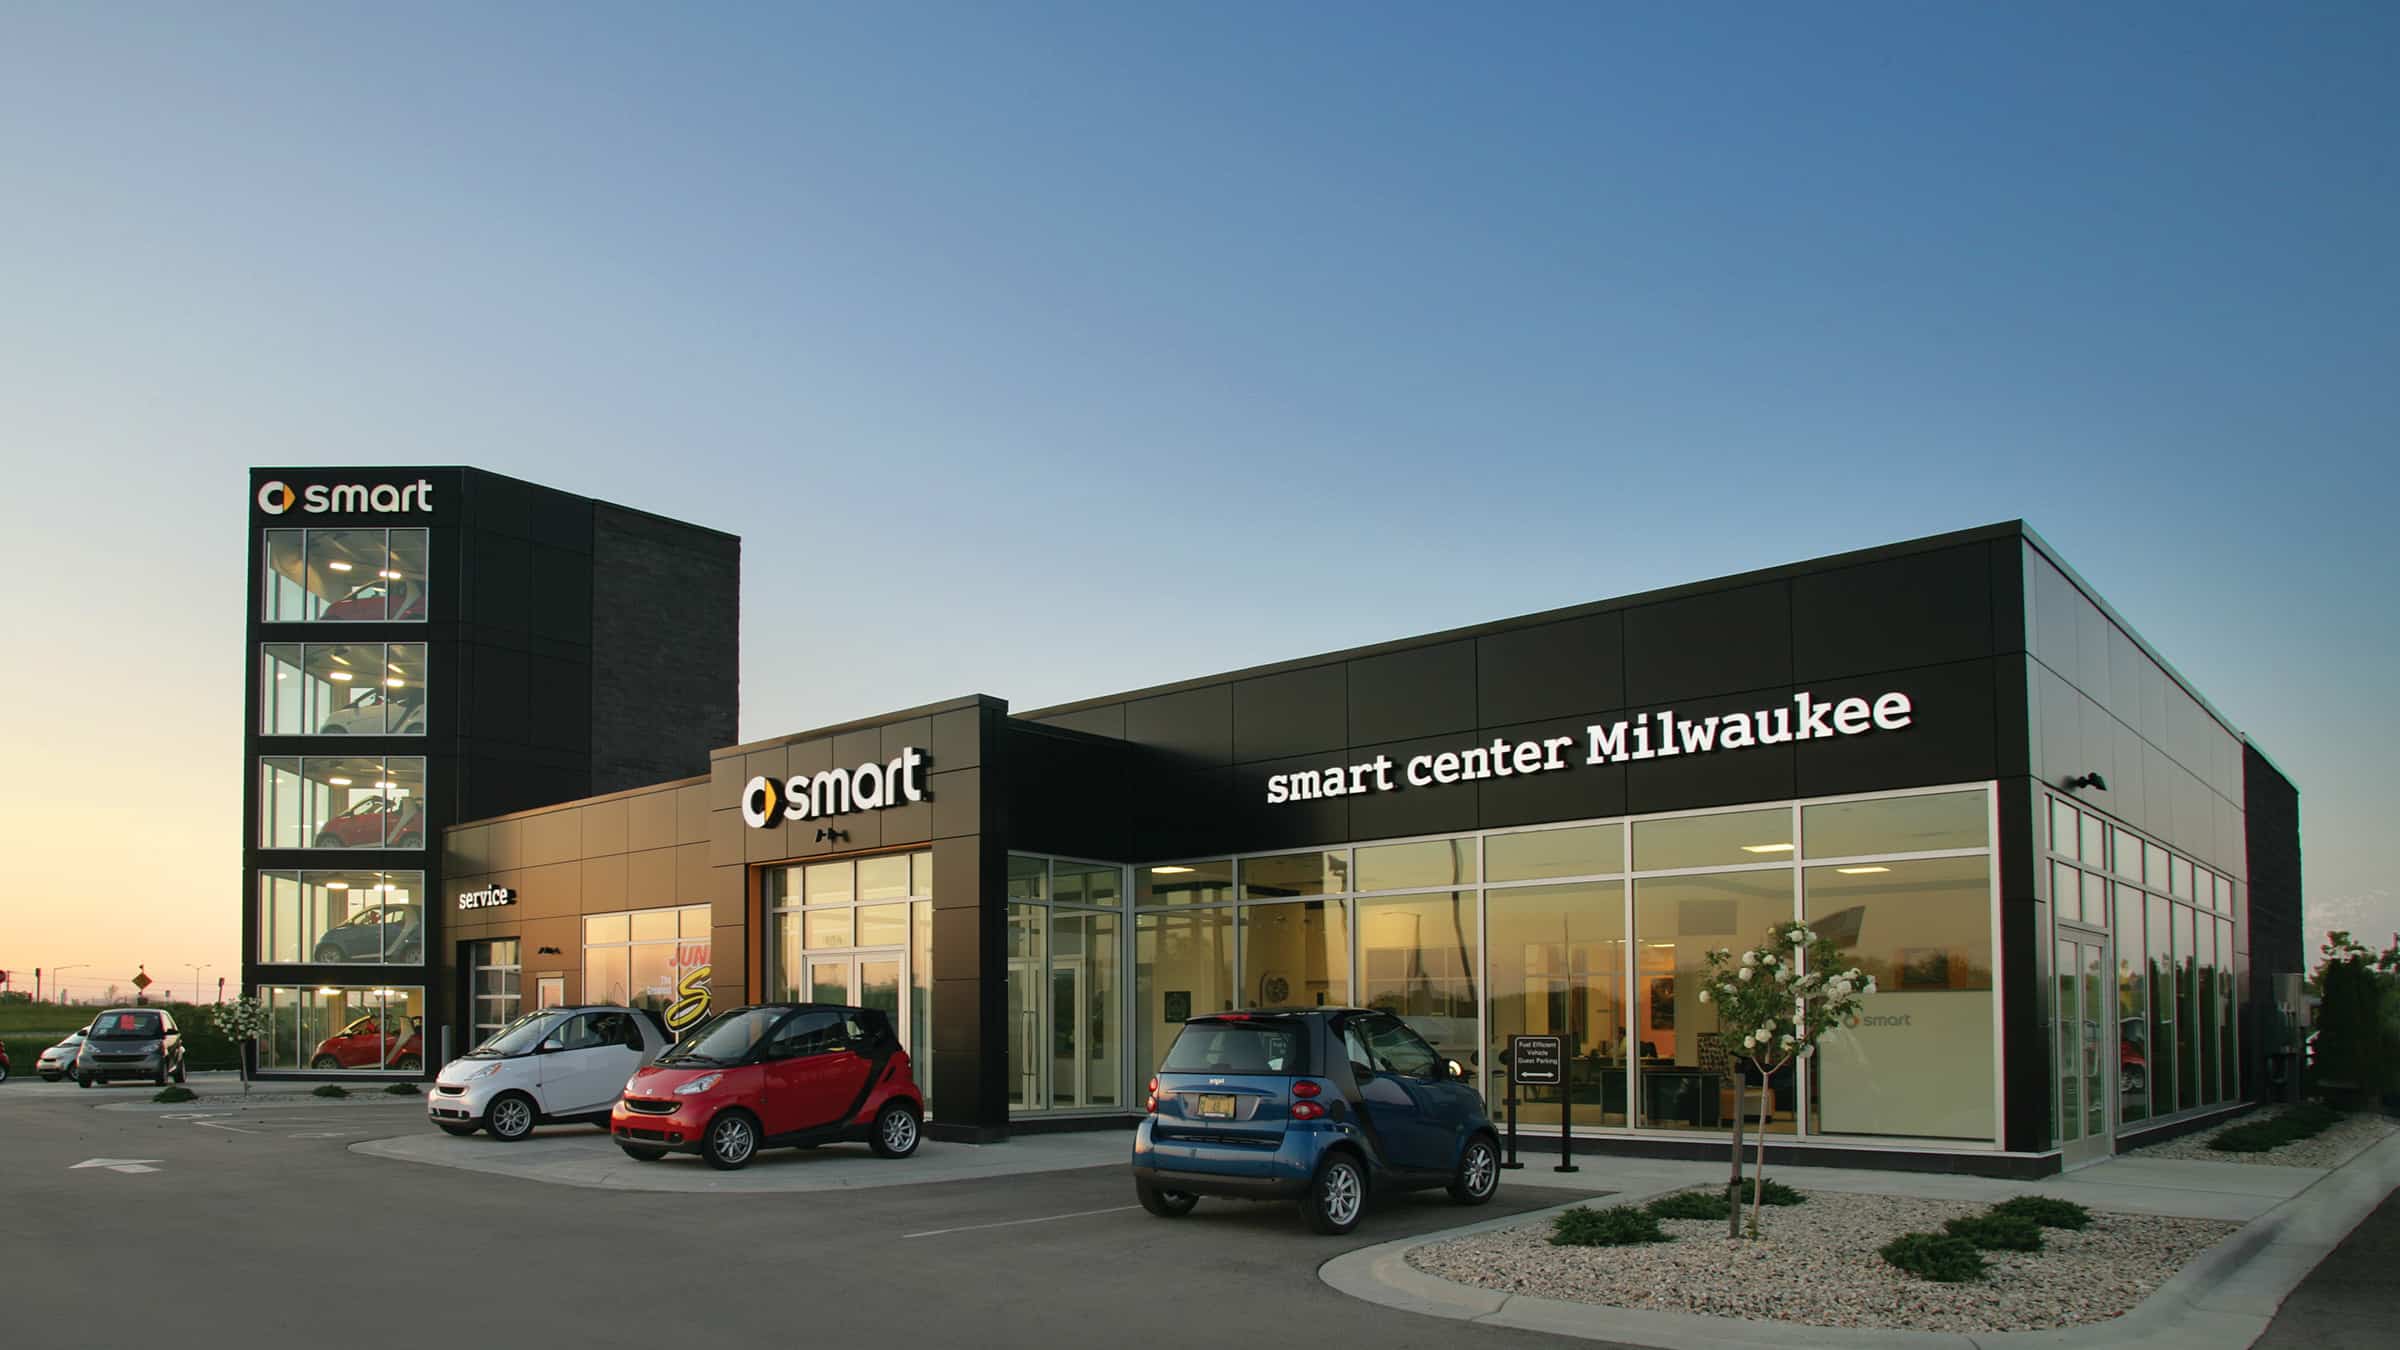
1012	1223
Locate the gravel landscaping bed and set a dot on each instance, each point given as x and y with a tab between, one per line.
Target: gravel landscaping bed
2360	1132
1818	1265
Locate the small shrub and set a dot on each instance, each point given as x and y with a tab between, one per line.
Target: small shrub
401	1090
1616	1226
1776	1193
331	1090
1998	1232
2047	1211
2305	1121
1689	1205
177	1093
1935	1256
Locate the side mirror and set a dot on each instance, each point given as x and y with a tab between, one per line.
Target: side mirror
1457	1070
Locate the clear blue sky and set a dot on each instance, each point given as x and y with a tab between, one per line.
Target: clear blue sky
1203	337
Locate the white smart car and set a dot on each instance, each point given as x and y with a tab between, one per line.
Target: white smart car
554	1066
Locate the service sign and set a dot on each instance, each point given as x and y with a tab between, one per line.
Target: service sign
1536	1059
490	898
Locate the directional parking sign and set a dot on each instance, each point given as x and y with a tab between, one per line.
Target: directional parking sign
1535	1059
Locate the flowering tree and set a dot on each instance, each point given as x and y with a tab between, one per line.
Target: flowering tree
243	1020
1774	1003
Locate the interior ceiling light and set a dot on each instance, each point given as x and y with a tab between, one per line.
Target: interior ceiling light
388	783
329	991
339	782
337	658
339	566
1766	848
388	574
337	885
395	682
1860	871
341	675
1168	871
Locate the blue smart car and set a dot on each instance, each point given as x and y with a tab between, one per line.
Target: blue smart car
1319	1105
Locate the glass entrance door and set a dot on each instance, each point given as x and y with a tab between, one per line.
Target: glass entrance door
2086	1048
866	978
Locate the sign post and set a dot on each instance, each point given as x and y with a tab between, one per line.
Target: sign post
1536	1061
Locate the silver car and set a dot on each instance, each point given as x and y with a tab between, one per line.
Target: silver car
131	1043
59	1060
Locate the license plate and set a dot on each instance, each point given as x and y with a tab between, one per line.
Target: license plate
1216	1105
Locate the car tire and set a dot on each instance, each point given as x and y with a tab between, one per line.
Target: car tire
642	1152
510	1117
328	839
52	1077
1164	1203
83	1080
731	1141
324	1062
326	954
1478	1171
897	1131
159	1079
181	1072
3	1073
408	1064
1337	1197
462	1131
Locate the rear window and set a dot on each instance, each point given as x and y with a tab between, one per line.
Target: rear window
1263	1045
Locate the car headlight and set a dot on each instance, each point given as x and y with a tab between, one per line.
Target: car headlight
701	1084
482	1071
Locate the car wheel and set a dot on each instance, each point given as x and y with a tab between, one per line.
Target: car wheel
896	1132
3	1073
731	1141
408	1064
326	954
181	1075
462	1131
1165	1204
52	1077
510	1117
159	1079
1478	1172
1337	1198
83	1080
324	1062
328	839
643	1153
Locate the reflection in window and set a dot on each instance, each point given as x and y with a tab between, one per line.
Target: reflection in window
1677	921
1918	1061
1944	820
342	688
1416	959
2133	1009
1296	955
1085	1017
1723	840
341	918
326	801
1183	967
1186	883
344	574
1098	884
650	958
1585	850
1431	862
1290	875
1557	961
343	1027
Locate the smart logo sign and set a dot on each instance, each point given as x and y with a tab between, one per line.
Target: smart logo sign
1652	735
868	787
277	497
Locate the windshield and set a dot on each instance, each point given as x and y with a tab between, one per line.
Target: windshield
113	1026
517	1038
728	1038
1266	1045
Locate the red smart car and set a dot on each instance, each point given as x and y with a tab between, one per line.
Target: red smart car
774	1075
393	1038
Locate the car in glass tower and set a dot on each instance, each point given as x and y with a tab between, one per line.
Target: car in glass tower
131	1043
557	1065
1325	1106
376	713
59	1060
372	1041
393	933
775	1075
377	822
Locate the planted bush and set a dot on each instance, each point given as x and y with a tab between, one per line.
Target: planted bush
2045	1210
1775	1193
177	1093
331	1090
1998	1232
2305	1121
401	1090
1939	1257
1690	1205
1616	1226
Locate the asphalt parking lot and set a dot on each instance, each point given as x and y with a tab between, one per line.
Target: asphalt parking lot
220	1225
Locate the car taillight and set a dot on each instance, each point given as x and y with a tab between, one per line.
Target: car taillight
1307	1111
1306	1087
1152	1105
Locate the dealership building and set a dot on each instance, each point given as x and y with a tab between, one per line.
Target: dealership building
2071	877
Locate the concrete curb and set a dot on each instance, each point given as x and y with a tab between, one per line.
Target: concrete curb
2222	1299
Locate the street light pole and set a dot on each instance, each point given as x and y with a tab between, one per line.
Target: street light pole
197	967
59	986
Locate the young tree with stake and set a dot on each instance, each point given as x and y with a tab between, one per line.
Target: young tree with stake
1774	1003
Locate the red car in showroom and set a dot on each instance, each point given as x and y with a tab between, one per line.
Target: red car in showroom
391	1039
377	822
775	1075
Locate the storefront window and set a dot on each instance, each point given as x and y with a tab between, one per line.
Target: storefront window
2133	1009
1295	955
1677	921
2205	973
1286	876
2160	935
1922	824
1085	1015
651	958
341	918
494	974
2187	1012
1185	883
1183	967
1028	879
1430	862
1416	960
337	575
1917	1062
326	801
368	1029
342	689
1723	840
1027	946
1586	850
1557	962
2228	1063
858	932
